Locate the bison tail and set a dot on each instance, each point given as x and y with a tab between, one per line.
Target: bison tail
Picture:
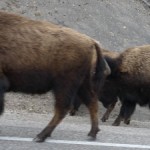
102	69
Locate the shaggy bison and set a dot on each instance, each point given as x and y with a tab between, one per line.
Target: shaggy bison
36	57
129	81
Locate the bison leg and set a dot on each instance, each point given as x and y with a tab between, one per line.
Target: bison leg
118	120
120	117
108	111
76	105
4	85
1	102
59	115
93	109
91	101
128	111
63	96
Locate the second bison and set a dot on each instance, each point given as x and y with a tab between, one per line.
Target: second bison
129	81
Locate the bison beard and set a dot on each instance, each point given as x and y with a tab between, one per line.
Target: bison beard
36	57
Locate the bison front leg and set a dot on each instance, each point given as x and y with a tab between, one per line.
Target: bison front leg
4	85
108	111
75	106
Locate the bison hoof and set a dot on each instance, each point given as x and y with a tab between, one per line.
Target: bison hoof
103	119
38	139
90	138
127	122
92	134
72	113
115	124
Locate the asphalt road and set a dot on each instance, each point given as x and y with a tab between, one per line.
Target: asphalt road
18	130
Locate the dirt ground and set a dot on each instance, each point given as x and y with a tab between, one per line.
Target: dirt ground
116	24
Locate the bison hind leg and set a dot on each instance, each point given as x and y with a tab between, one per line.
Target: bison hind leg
108	111
4	85
64	96
130	108
75	106
1	102
89	98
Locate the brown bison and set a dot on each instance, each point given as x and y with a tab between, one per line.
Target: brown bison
129	81
36	57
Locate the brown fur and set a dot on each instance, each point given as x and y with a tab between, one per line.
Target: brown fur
37	56
136	62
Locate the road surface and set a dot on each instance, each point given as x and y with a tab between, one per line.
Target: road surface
18	129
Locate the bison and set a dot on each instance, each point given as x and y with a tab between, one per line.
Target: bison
39	56
129	81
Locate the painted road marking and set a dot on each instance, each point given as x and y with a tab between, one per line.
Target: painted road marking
78	143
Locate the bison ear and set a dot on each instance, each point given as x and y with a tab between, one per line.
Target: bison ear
107	70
